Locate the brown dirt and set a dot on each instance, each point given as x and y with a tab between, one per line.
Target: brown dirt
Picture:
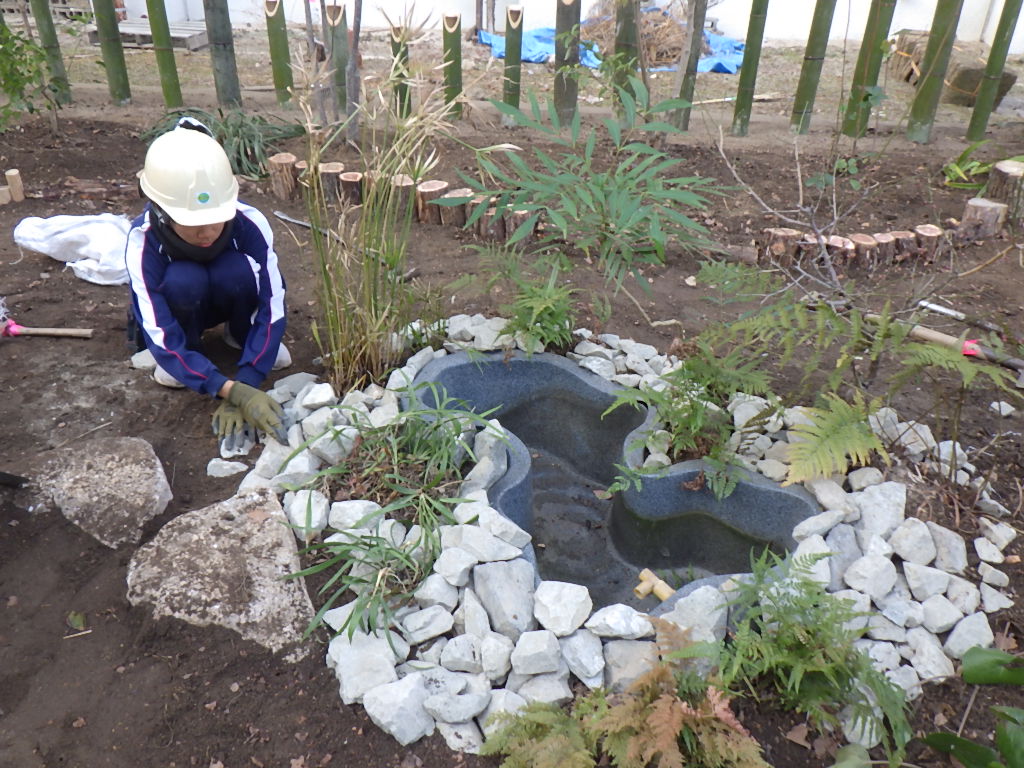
137	692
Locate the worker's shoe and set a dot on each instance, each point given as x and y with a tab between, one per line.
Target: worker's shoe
284	357
164	379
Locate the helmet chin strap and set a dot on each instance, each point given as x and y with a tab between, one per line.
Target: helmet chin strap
178	248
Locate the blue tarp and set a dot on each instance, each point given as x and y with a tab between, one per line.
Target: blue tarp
539	45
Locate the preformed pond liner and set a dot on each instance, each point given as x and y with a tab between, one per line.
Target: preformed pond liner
561	449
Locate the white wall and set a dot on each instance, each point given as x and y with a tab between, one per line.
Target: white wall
788	20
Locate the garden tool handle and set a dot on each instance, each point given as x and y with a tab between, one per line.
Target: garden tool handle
13	329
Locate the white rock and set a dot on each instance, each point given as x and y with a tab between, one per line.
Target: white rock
950	549
940	615
928	659
880	628
963	594
461	737
583	652
987	551
590	349
456	707
502	701
643	351
435	590
354	514
222	468
143	361
820	571
455	565
859	479
462	654
993	600
397	709
307	514
882	507
873	575
913	542
883	655
873	544
361	664
427	623
626	660
1002	408
318	396
857	602
842	542
619	621
906	678
925	581
335	445
550	688
561	607
916	439
992	576
832	496
473	615
902	612
772	469
536	653
492	521
998	533
600	366
496	656
506	590
973	630
819	524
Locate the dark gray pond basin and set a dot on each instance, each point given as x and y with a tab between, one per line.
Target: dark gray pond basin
562	450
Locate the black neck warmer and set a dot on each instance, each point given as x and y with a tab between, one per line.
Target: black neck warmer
178	249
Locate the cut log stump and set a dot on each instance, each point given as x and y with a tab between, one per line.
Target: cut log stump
865	249
929	239
330	180
426	192
885	247
283	175
778	245
982	219
455	215
352	186
906	244
1006	185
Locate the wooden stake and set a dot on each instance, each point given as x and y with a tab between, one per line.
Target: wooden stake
352	186
982	219
329	181
283	178
929	238
13	177
491	226
1005	182
886	247
403	188
866	249
906	244
427	191
514	220
455	215
778	245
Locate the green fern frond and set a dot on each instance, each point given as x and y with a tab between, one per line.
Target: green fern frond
839	437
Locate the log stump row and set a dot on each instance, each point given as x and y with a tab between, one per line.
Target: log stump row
784	246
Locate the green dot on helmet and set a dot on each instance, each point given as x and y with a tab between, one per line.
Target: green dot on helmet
203	197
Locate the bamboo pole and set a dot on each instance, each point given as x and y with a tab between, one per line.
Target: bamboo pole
352	81
933	70
810	73
222	53
337	21
567	58
748	70
627	47
113	51
54	61
986	97
400	70
513	59
163	52
695	42
869	64
451	37
280	58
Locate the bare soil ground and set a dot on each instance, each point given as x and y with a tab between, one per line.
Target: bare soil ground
137	692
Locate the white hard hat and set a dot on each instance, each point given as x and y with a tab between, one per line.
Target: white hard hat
188	174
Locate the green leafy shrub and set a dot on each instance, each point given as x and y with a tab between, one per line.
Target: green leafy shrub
412	468
23	78
623	216
793	645
248	139
987	666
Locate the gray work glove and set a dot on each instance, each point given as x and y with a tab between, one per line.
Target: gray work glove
259	410
230	426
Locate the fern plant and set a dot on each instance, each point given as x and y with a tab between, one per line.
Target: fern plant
545	736
793	645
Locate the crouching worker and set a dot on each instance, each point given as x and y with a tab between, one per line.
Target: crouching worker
196	258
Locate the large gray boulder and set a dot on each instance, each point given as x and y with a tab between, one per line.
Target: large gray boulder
110	487
225	565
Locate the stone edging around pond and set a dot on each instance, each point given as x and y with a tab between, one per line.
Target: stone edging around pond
485	636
